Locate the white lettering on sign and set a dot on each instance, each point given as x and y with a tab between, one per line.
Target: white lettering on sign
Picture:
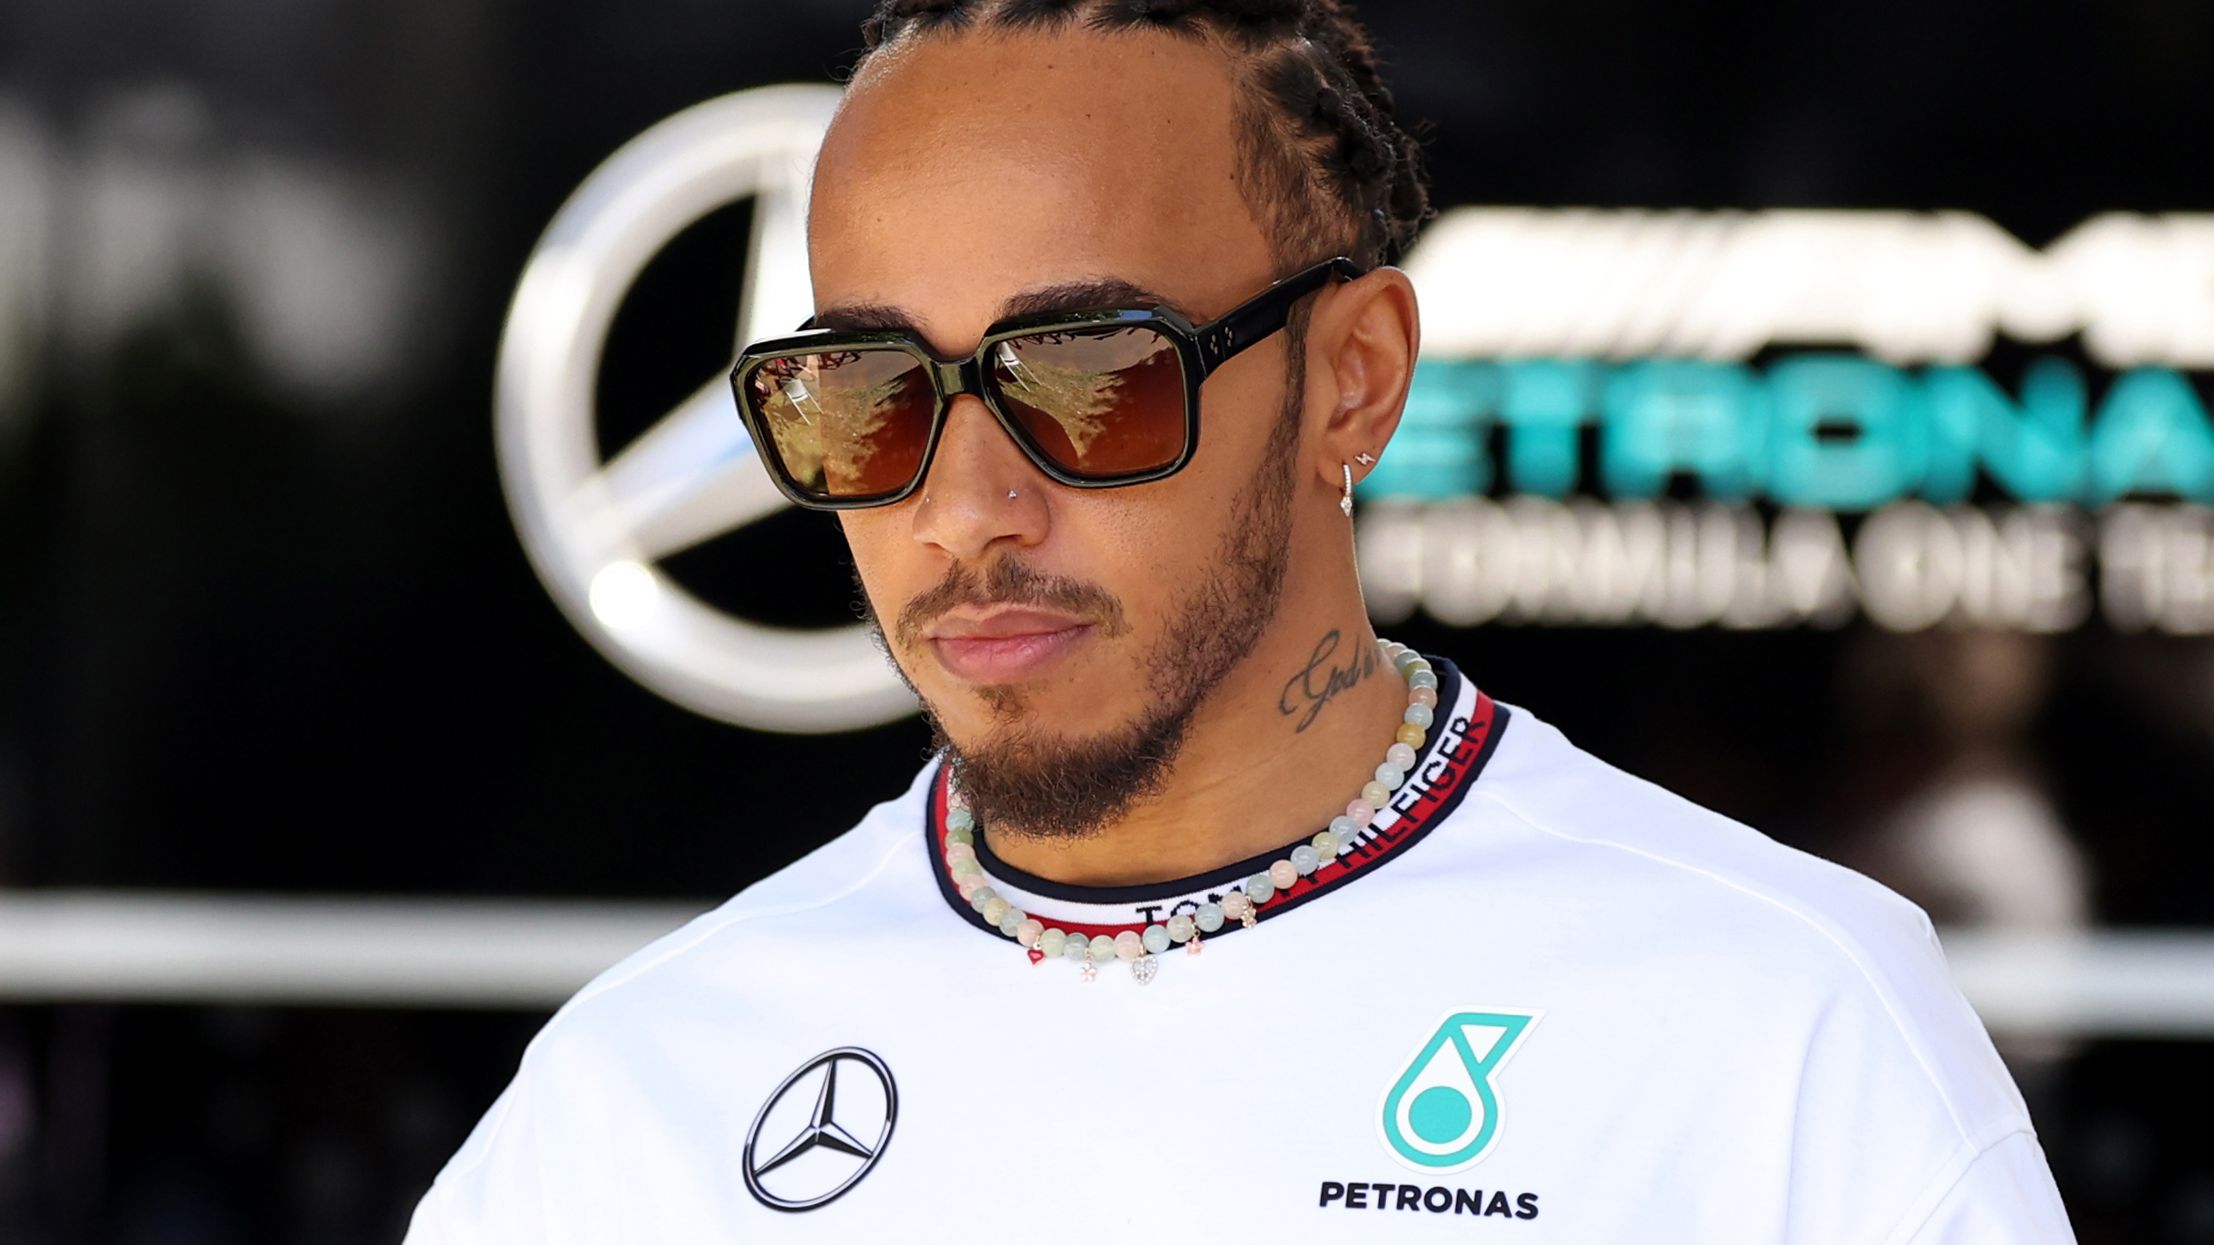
1907	287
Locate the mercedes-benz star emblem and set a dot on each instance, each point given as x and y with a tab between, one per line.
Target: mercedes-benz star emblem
597	525
814	1154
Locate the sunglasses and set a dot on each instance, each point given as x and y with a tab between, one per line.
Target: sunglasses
1097	399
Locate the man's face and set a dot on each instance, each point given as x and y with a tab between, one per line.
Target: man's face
975	174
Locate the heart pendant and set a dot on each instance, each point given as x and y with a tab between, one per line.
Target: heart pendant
1036	956
1144	967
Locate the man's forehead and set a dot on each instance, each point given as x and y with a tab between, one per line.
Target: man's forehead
975	177
1138	103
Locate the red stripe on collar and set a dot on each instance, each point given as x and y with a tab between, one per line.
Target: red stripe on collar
1442	776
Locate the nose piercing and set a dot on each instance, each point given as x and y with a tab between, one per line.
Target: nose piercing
1010	494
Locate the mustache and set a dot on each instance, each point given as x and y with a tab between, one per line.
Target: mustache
1010	582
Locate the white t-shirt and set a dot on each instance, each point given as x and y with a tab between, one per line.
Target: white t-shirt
1538	999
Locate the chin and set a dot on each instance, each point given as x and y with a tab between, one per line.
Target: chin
981	716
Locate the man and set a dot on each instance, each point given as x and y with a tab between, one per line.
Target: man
1089	395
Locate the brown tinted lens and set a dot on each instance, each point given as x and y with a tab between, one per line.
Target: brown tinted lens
1101	402
845	423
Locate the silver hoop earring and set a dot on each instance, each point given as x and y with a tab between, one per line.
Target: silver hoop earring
1345	503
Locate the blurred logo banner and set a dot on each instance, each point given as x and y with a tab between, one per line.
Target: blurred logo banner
1789	417
1683	419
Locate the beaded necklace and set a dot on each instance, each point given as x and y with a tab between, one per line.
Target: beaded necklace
1141	950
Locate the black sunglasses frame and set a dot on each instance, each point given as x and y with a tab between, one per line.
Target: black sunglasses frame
1200	348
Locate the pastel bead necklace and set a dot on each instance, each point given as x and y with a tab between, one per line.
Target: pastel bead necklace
1142	949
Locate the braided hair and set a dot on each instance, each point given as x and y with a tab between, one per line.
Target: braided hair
1321	154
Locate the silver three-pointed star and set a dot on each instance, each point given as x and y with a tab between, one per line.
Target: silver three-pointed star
822	1129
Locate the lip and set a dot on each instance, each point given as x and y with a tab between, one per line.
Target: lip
1006	645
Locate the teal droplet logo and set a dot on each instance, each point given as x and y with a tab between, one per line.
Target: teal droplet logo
1442	1113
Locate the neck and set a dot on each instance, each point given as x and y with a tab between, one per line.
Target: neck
1283	743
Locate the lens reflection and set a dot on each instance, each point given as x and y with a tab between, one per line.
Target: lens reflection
1100	402
845	423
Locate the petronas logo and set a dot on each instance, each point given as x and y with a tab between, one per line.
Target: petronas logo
1442	1114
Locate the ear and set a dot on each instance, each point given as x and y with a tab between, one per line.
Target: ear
1361	346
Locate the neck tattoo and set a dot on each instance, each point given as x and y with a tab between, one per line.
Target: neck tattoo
1317	682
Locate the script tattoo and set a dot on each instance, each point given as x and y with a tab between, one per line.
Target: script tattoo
1318	681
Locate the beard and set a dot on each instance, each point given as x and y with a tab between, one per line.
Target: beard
1023	781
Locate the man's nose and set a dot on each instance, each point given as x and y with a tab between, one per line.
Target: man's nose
981	489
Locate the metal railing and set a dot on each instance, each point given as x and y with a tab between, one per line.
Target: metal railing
85	946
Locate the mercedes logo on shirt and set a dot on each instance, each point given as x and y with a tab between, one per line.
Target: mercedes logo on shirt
822	1130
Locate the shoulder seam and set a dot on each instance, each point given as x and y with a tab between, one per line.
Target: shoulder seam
1883	996
1965	1157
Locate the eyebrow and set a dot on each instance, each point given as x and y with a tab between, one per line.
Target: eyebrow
1082	295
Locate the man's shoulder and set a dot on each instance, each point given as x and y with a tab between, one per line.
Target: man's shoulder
840	884
1614	828
1716	906
714	983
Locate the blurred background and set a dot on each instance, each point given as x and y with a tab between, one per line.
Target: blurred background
1884	531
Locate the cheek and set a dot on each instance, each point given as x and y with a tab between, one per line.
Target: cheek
1145	554
875	544
1240	408
1161	538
